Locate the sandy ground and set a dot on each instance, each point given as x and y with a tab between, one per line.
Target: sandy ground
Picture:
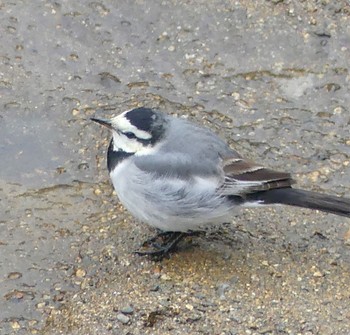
272	77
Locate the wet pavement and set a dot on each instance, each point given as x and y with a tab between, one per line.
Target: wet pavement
272	77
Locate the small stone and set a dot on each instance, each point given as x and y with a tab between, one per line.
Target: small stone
14	295
14	275
235	95
338	110
40	305
347	236
189	307
266	330
97	191
83	166
80	273
222	288
313	21
32	323
164	302
155	288
318	274
15	325
75	111
123	318
58	297
314	176
73	56
127	310
60	170
194	318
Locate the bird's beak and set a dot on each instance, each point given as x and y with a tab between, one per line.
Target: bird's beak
104	122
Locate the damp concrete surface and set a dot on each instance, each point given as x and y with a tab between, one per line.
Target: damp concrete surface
271	77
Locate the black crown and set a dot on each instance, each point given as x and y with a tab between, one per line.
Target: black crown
142	118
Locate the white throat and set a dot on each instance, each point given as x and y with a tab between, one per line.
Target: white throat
121	143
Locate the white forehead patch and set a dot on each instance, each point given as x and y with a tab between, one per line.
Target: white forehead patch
120	122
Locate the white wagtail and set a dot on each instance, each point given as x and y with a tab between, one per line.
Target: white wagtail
178	177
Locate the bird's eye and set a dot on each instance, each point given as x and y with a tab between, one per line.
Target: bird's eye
129	134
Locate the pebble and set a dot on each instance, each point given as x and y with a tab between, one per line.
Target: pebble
155	288
338	110
14	295
347	235
97	191
165	277
127	310
15	325
40	305
75	111
314	176
318	274
123	318
189	307
80	273
14	275
222	288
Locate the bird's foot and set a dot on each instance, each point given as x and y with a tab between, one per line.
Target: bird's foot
162	244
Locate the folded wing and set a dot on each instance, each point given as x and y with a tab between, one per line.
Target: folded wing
244	177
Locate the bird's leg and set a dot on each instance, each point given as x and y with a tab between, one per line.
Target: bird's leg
169	241
160	237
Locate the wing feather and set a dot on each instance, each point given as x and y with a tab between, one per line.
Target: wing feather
234	175
243	176
181	166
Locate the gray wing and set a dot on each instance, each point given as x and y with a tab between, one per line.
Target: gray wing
188	151
178	165
191	151
243	177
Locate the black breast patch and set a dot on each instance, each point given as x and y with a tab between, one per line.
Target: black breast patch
115	157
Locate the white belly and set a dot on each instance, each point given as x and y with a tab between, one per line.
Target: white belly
167	203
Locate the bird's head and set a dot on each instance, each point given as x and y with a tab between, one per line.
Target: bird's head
136	131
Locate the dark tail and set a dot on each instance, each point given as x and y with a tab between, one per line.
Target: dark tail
305	199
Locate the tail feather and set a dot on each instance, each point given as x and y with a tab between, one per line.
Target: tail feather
305	199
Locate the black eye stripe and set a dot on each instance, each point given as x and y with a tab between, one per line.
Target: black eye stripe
129	134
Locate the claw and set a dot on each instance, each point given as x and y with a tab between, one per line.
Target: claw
168	244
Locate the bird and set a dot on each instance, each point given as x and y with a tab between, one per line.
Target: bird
178	176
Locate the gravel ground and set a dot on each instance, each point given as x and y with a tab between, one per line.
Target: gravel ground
272	77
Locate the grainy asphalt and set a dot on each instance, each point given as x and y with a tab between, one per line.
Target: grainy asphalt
272	77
